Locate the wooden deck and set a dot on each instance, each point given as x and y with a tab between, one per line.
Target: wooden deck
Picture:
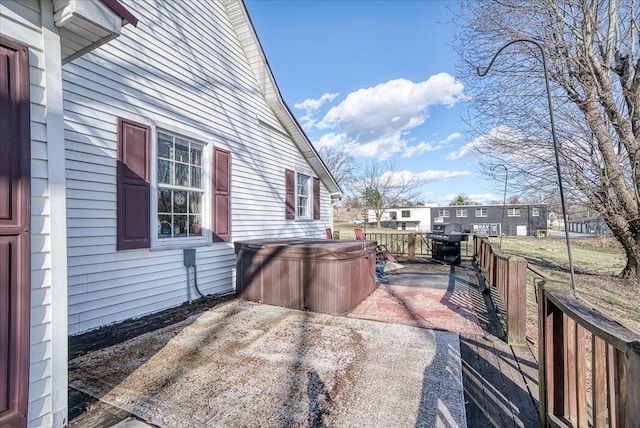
500	381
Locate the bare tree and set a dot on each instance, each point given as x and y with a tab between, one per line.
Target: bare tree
381	187
593	56
341	164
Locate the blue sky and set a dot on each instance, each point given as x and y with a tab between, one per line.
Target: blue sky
377	77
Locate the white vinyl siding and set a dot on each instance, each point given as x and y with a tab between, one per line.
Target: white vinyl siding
181	68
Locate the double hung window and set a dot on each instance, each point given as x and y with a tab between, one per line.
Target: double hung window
180	184
303	196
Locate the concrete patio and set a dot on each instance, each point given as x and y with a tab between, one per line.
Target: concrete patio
423	350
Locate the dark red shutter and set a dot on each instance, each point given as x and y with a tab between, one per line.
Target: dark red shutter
134	216
289	194
316	198
15	216
221	195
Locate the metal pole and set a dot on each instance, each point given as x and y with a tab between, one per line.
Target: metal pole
504	198
483	73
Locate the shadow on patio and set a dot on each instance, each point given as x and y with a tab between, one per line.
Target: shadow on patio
284	367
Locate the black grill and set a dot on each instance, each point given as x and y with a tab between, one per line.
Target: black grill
445	242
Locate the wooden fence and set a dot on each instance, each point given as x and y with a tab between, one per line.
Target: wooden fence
411	244
572	340
509	276
564	323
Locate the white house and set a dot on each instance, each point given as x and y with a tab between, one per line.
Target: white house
405	218
172	135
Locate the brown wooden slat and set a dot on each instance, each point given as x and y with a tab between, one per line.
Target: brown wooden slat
632	372
621	402
581	377
598	379
570	405
612	385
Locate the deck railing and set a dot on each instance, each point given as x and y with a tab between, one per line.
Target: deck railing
508	275
411	244
588	364
612	354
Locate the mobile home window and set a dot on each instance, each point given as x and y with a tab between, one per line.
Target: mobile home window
443	212
481	212
513	212
406	213
461	212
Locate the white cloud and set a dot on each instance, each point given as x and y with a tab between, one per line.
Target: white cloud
425	176
499	133
431	175
311	105
380	149
374	121
424	147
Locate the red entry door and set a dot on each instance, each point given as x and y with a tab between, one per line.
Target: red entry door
15	178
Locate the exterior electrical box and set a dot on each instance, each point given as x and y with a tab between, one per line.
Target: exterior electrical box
189	256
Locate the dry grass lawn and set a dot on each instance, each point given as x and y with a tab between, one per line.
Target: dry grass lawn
597	264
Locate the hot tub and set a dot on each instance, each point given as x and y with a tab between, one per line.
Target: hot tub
328	276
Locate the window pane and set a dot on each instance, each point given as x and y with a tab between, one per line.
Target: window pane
165	146
182	150
182	175
196	177
302	206
164	171
164	226
195	227
196	155
179	201
179	225
303	185
164	201
195	202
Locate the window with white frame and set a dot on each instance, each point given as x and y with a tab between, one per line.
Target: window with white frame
443	212
513	212
303	196
393	215
461	212
180	187
481	212
535	212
